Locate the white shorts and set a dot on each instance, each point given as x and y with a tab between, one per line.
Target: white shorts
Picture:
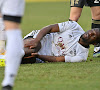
12	7
1	3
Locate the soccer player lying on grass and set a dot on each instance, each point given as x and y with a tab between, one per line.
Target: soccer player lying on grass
62	42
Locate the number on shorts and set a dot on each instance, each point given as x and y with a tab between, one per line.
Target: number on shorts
96	1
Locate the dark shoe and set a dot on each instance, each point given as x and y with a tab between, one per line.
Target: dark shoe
7	87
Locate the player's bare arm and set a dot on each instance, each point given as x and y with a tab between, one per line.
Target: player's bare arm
47	29
49	58
42	33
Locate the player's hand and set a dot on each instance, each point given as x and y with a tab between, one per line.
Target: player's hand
28	57
31	43
32	55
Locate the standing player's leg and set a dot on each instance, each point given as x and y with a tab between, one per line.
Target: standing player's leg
2	36
76	9
1	23
75	13
95	11
14	48
1	20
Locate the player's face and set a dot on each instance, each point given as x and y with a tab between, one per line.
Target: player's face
91	36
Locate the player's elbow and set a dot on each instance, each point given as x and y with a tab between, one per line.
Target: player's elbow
60	59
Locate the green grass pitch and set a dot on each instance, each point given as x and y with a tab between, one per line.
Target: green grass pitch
56	76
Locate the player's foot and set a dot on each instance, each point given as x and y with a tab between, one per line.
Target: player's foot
96	51
96	54
7	87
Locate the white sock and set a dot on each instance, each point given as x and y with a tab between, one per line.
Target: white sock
14	55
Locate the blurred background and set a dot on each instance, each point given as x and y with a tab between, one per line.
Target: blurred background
39	13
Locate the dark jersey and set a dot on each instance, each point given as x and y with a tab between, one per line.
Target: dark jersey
81	3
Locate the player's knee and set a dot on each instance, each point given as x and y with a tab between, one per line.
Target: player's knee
74	15
96	16
74	18
16	19
95	23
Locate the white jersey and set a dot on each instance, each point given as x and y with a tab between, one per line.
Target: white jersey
12	7
64	43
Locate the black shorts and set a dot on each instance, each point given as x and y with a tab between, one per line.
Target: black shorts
81	3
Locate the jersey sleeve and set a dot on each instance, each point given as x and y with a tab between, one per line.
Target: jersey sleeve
68	25
81	54
32	34
74	59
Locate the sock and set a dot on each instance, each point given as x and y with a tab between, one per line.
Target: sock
96	24
14	54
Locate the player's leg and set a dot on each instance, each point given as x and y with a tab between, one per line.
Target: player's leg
75	13
14	52
1	23
76	9
95	11
2	36
14	48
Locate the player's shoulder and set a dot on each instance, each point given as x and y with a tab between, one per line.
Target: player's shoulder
69	23
72	24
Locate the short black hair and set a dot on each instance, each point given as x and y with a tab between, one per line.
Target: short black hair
28	37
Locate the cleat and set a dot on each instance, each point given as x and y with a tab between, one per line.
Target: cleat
96	54
2	61
7	87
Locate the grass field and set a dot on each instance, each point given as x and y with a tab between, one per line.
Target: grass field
56	76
